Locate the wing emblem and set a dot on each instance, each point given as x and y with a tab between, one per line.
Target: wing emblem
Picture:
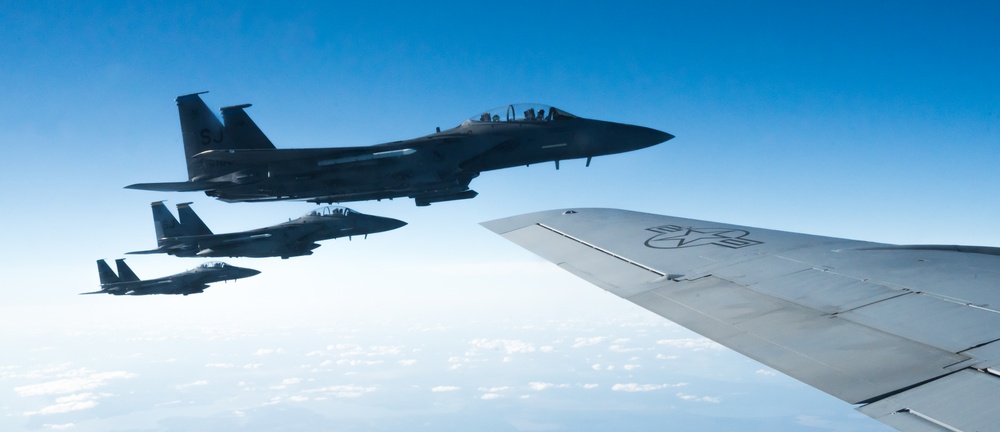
676	237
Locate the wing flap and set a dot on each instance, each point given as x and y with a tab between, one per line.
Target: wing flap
964	401
850	361
951	326
828	292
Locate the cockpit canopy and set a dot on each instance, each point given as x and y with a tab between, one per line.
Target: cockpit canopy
524	112
331	211
214	265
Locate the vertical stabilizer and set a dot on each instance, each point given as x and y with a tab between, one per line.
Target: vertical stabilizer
164	223
125	274
241	129
201	131
192	224
106	274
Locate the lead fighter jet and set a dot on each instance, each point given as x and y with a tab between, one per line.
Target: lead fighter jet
193	281
234	161
190	237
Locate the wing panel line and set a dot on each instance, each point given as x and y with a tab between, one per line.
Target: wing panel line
604	251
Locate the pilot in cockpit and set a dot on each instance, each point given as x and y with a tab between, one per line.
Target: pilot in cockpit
529	114
541	113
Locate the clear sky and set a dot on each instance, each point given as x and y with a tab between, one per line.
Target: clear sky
875	121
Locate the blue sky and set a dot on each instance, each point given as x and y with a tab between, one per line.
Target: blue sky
869	121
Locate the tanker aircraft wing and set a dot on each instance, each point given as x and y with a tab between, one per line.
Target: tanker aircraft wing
908	334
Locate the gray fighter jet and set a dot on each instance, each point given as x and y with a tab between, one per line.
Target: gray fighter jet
192	281
910	334
190	237
234	161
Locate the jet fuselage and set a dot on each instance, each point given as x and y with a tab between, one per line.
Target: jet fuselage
235	162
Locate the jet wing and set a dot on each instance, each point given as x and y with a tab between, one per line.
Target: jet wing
288	234
911	334
184	186
319	156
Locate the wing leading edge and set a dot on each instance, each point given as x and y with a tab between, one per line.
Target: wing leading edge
908	333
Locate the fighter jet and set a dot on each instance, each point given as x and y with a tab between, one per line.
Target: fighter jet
190	237
234	161
192	281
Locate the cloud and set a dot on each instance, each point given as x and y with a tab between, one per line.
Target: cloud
63	426
343	391
635	388
220	365
546	348
268	351
354	350
590	386
81	381
495	389
442	389
765	372
65	404
582	342
708	399
696	344
490	396
539	386
407	362
510	346
622	349
198	383
356	362
285	383
630	367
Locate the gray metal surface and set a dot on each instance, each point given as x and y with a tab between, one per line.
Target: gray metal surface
861	321
965	401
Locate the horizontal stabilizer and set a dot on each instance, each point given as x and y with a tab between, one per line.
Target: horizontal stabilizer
185	186
94	292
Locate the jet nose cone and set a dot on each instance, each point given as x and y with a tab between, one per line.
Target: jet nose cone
654	137
391	224
377	224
